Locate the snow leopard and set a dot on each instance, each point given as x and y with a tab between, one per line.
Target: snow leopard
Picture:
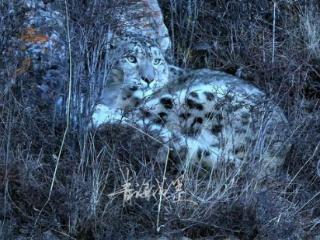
206	116
213	117
138	68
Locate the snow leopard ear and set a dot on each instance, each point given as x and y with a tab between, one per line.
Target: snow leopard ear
112	43
165	44
113	40
109	37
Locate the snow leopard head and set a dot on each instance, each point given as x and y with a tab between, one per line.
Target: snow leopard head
138	69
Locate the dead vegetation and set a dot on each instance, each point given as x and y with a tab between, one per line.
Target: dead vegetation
110	183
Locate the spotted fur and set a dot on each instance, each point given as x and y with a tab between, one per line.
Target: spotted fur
207	116
138	67
219	117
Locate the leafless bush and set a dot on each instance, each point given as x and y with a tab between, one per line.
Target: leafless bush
273	44
238	37
88	199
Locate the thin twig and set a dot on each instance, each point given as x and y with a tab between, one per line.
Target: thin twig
274	31
68	107
144	133
161	190
305	164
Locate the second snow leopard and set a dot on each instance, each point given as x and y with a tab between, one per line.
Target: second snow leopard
207	116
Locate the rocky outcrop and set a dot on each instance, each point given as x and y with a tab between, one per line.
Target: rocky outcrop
141	17
44	38
38	48
38	59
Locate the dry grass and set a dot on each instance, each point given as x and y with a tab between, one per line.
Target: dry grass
108	181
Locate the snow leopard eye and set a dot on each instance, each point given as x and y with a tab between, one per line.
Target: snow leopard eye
132	59
157	61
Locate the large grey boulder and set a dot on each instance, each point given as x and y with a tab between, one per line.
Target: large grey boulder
38	50
143	18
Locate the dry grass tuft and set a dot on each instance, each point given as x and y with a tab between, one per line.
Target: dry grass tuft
109	180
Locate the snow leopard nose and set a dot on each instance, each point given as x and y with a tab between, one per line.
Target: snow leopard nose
147	79
147	73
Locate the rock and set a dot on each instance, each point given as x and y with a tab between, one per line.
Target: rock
142	18
37	53
41	51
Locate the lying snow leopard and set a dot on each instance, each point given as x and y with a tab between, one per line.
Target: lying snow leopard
207	116
214	117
